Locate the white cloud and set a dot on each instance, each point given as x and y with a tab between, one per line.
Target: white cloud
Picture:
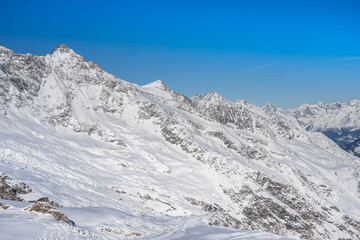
349	58
262	66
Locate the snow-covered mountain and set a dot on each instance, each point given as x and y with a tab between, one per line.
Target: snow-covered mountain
86	155
338	121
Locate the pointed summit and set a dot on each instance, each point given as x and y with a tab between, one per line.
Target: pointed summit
64	52
62	48
197	97
157	84
269	108
213	97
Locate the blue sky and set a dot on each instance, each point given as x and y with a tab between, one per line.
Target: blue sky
285	52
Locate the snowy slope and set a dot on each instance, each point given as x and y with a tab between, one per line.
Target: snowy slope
118	160
112	224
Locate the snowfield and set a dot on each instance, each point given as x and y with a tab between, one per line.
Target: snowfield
85	155
112	224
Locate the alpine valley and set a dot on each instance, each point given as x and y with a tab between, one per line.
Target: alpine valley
338	121
85	155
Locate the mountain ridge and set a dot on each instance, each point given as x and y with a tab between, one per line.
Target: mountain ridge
149	151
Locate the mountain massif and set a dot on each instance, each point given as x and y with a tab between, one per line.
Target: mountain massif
85	155
338	121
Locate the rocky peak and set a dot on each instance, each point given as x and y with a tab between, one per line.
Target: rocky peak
157	84
197	97
63	52
64	58
328	106
62	48
308	111
213	97
269	108
5	50
355	103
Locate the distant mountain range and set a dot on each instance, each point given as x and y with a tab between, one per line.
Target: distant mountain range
338	121
85	155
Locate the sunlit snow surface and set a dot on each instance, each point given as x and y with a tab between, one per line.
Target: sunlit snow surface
145	162
82	173
16	223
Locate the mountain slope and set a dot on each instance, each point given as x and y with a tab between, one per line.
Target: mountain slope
147	160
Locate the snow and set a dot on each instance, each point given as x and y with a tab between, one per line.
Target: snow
323	116
213	97
339	121
119	224
196	231
125	160
15	223
156	88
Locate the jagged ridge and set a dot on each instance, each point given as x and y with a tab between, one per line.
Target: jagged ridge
158	153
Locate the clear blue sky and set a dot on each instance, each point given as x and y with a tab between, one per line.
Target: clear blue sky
286	52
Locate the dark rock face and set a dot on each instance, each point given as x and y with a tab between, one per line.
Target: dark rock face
45	207
225	140
243	116
24	73
61	48
10	191
294	214
6	192
218	215
4	206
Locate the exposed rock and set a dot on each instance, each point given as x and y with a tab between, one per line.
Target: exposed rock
46	200
218	216
4	206
10	189
47	208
